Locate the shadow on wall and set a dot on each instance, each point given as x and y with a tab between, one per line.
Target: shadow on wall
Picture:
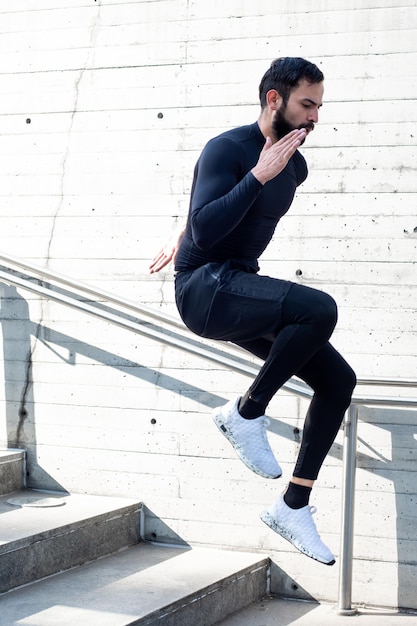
394	462
18	345
20	337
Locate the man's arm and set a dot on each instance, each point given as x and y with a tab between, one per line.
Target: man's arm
224	198
221	197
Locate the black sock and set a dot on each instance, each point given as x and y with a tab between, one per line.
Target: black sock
249	409
297	496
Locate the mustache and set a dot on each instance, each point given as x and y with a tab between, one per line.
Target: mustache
309	126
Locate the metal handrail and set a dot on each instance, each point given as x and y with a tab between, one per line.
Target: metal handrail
120	314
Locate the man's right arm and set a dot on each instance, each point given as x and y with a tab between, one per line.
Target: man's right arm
221	197
222	192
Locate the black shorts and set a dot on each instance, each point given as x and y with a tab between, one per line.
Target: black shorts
230	301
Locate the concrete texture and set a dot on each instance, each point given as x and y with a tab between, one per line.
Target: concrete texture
11	470
144	584
278	612
44	533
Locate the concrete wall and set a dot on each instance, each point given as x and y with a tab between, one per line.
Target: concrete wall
105	106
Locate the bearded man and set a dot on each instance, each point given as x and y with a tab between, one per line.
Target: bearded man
244	182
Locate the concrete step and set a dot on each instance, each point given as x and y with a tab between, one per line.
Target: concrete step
11	470
42	533
279	611
146	584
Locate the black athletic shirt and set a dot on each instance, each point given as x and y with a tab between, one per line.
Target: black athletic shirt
232	215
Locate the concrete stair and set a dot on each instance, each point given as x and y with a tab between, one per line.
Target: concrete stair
12	468
70	558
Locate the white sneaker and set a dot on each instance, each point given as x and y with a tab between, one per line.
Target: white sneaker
298	527
248	437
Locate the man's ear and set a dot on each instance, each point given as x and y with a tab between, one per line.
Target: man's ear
273	99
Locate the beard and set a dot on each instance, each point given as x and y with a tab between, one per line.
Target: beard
281	126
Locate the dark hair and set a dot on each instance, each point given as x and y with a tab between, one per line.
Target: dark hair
284	75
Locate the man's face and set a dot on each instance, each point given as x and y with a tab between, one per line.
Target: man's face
301	110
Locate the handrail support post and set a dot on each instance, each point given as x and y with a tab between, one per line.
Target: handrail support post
348	511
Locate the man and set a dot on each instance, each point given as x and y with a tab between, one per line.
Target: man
244	182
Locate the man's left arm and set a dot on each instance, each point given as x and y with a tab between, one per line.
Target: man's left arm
168	252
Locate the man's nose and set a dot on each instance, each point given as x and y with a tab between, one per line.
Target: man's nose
313	116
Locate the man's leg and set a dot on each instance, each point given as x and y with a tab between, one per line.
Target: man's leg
304	322
296	344
333	382
221	301
308	320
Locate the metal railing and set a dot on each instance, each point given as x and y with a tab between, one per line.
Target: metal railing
170	330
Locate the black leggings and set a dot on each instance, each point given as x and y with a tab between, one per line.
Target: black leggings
288	326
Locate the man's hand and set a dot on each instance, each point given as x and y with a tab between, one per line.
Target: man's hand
275	156
168	252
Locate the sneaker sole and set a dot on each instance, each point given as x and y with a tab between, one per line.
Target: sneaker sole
218	420
270	521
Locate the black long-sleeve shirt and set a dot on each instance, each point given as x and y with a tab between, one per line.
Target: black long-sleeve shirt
232	215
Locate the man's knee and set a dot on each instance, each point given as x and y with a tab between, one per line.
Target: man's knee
349	381
324	310
304	305
344	385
